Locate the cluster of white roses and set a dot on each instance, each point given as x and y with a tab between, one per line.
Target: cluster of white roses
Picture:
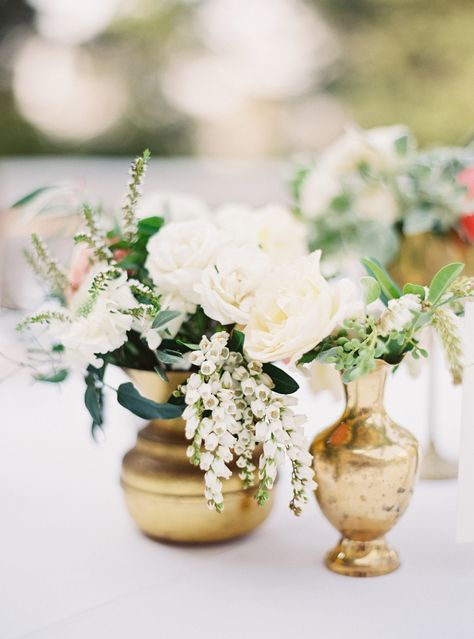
231	408
219	261
213	259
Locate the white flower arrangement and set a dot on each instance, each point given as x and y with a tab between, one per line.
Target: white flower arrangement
371	188
145	294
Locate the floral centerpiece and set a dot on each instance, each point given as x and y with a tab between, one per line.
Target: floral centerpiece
373	188
160	295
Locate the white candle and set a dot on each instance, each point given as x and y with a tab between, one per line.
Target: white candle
465	523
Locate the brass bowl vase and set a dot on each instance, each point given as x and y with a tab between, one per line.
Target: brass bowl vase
164	493
365	466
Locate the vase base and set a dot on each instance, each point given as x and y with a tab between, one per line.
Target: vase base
362	558
433	466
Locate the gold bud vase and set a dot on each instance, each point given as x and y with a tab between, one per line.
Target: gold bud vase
164	493
365	466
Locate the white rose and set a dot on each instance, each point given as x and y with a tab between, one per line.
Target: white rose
295	308
376	201
228	286
273	228
103	329
318	190
179	253
173	207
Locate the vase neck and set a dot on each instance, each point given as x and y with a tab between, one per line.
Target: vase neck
367	392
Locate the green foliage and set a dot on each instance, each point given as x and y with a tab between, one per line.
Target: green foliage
130	398
371	289
165	317
284	384
137	171
94	396
53	378
389	289
443	280
414	289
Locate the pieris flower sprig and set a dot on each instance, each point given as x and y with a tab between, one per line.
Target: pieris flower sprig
232	407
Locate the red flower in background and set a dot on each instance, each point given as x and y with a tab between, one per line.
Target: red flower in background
466	221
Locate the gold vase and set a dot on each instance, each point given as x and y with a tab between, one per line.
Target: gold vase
419	259
365	466
164	493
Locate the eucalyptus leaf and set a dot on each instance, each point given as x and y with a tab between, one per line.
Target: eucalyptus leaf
371	289
443	280
30	196
236	342
130	398
53	378
414	289
164	317
388	286
167	356
284	383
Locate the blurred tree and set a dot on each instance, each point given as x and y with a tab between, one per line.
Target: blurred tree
408	61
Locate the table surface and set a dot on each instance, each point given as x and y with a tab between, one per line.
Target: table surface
73	565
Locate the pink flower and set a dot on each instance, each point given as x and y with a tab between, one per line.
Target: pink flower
466	221
466	178
80	266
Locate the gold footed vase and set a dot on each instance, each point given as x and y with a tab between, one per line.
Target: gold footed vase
365	466
164	493
419	259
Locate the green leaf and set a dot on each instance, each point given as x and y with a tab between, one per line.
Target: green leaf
164	317
189	347
308	357
94	396
414	289
148	226
371	289
284	384
30	196
167	356
401	145
161	372
388	286
443	280
236	342
130	398
54	378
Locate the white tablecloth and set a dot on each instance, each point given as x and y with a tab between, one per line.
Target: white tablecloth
73	565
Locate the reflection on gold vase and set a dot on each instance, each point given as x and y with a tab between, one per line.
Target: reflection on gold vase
164	493
420	258
365	466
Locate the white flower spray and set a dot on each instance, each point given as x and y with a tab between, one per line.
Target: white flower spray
230	409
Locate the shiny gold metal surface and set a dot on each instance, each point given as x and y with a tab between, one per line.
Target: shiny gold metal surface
421	256
164	493
365	466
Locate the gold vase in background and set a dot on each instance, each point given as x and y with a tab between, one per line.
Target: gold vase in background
164	493
419	259
365	466
421	256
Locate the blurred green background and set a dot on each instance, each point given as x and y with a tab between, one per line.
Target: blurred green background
229	78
